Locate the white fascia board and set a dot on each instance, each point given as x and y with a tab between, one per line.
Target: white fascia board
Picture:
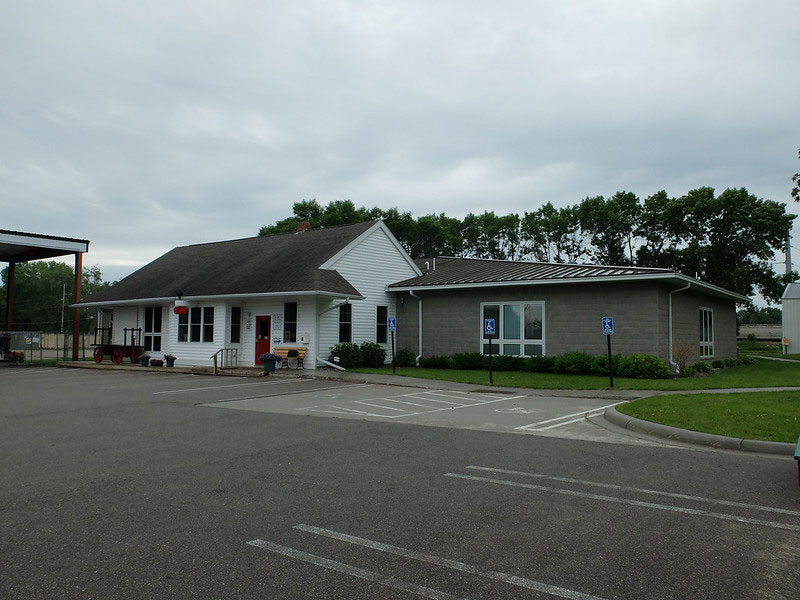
489	284
43	242
139	301
329	264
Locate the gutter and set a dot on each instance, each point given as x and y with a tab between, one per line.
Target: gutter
169	299
683	289
419	322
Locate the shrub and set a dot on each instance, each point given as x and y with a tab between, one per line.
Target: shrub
372	354
720	364
405	358
574	363
540	364
600	366
643	366
701	367
349	355
504	362
469	361
435	362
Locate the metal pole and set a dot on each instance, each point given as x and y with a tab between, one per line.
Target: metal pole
610	367
394	368
491	379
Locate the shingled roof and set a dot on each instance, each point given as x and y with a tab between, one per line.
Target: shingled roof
281	263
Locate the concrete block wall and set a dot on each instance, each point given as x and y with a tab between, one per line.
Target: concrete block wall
573	312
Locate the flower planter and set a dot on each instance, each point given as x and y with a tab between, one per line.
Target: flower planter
269	366
156	363
144	360
170	362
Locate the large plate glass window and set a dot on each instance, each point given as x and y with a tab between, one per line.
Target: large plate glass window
706	332
519	326
152	329
289	322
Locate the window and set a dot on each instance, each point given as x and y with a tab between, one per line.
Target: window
200	325
236	324
183	327
383	325
519	327
152	328
706	332
289	322
208	324
346	323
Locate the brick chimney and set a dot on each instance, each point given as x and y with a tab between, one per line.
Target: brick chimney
303	226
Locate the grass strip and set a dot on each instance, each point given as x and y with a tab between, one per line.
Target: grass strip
771	416
765	373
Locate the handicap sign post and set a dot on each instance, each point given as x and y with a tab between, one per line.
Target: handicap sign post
489	330
607	323
393	327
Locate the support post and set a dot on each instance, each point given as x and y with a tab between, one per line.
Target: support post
610	363
76	312
394	366
10	295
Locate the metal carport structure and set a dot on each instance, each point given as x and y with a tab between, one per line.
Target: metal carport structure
17	247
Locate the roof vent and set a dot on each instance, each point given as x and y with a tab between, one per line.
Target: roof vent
303	226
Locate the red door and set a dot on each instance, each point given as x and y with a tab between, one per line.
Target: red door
263	326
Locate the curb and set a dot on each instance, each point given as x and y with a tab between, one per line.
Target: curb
615	417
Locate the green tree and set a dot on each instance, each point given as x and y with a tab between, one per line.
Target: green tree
40	290
491	236
754	315
796	181
611	224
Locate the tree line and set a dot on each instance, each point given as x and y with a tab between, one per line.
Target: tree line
727	239
43	291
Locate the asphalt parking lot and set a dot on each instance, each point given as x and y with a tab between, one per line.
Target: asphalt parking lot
143	485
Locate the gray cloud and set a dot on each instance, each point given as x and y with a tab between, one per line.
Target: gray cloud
148	126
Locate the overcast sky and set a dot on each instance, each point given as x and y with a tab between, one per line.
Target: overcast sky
142	126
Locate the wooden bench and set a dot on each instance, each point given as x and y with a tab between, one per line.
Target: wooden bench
286	353
797	458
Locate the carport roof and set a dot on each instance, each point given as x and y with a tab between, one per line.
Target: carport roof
18	246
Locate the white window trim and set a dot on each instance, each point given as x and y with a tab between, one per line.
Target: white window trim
710	343
499	340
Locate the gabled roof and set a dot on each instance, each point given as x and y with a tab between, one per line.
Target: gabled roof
458	273
281	263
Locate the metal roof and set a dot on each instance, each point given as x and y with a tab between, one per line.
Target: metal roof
19	246
453	271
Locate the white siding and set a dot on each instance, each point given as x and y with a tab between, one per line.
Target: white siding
195	353
369	266
791	323
273	307
125	317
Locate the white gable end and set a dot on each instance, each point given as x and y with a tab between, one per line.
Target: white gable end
370	263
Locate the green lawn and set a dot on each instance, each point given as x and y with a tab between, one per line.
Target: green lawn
772	416
764	349
765	373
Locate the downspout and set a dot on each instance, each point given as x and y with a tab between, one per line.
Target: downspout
683	289
316	333
419	322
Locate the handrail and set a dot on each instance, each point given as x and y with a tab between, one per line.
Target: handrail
229	358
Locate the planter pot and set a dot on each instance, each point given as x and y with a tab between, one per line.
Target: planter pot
170	362
144	360
156	363
269	366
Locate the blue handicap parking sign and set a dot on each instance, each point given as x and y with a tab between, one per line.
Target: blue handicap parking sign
608	325
392	324
488	326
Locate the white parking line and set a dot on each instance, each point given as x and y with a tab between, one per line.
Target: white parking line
334	565
365	403
581	416
232	385
450	564
612	486
666	507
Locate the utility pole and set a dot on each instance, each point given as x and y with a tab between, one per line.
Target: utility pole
788	253
63	303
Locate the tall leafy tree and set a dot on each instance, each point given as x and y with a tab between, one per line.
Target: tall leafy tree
610	224
491	236
42	289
